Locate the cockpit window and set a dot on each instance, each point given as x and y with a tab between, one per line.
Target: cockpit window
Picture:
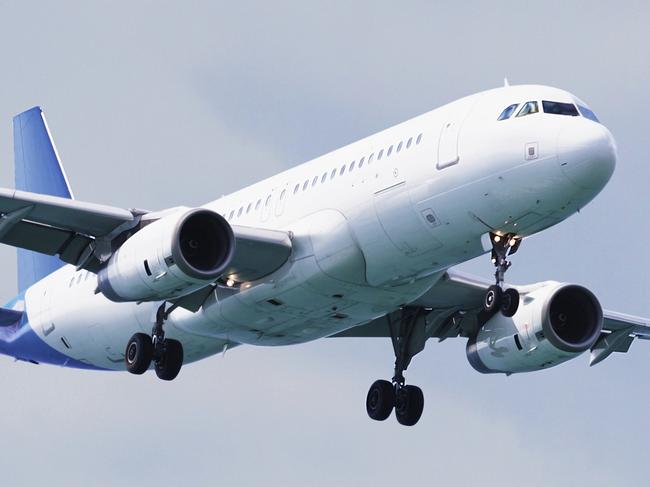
557	108
507	113
588	114
529	108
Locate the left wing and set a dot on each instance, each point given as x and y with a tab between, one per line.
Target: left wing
84	234
456	311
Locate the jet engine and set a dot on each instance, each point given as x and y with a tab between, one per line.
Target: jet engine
171	257
555	322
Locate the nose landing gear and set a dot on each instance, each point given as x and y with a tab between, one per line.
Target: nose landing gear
167	354
496	298
408	336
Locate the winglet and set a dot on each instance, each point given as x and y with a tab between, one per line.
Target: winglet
38	169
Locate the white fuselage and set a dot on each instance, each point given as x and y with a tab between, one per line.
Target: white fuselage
374	225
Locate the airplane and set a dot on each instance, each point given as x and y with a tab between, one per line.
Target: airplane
360	242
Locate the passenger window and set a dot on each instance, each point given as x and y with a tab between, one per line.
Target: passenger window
241	210
315	180
304	186
372	156
295	190
333	173
408	144
342	171
352	166
418	140
529	108
258	204
232	213
507	113
268	200
558	108
380	155
324	178
248	208
361	162
390	151
399	147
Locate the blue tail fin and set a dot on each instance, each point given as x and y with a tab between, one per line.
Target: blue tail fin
37	170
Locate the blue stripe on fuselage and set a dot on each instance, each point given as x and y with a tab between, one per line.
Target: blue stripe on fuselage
19	340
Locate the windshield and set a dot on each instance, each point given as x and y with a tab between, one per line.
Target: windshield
529	108
558	108
588	113
505	114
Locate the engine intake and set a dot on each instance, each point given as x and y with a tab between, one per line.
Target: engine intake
573	319
202	244
170	257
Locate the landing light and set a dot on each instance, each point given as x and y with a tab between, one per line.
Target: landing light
497	239
513	242
230	283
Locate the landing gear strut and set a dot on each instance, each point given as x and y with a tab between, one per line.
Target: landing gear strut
408	336
496	298
167	354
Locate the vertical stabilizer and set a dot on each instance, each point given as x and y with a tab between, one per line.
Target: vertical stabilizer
37	170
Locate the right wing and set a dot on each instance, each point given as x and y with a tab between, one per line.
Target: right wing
455	303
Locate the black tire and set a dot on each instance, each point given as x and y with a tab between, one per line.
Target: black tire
510	302
138	354
492	300
409	405
380	400
169	365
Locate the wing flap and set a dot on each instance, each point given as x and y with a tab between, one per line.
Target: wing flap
39	238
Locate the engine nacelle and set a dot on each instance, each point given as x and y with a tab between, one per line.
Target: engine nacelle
554	323
169	258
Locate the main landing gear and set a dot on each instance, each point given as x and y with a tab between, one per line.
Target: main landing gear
496	298
408	336
142	349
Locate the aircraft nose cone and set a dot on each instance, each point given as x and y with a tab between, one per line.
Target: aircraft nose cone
587	154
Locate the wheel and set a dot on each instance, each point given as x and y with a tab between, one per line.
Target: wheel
409	405
138	354
510	302
380	400
169	365
492	301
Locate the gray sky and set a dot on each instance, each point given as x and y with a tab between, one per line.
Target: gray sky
157	104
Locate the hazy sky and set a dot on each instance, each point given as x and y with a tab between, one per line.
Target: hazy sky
157	104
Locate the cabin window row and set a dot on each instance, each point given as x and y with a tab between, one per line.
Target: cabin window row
329	175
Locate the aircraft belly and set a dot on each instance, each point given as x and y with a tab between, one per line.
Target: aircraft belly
304	305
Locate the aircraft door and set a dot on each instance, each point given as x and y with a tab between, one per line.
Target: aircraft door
279	206
267	206
448	145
